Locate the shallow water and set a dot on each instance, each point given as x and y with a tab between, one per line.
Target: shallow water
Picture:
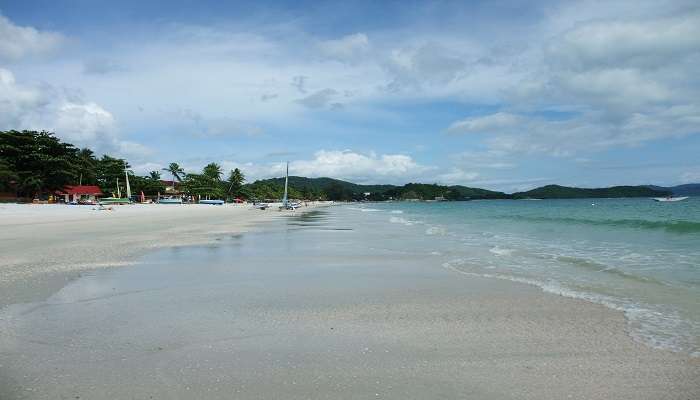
633	255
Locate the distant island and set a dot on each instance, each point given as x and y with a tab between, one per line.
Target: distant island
37	165
336	189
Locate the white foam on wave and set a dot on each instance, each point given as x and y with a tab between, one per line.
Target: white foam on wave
401	220
660	329
435	230
501	251
396	212
364	209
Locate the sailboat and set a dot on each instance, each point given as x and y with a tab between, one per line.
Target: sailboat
286	205
119	199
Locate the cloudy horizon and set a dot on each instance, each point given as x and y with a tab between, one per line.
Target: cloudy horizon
500	95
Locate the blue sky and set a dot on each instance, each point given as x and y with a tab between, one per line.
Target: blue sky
501	95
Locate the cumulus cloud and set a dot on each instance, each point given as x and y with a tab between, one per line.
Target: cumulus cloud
427	64
43	107
342	164
620	82
17	42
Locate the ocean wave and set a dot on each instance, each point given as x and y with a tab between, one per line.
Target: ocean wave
500	251
655	327
594	266
400	220
396	212
674	226
435	230
363	209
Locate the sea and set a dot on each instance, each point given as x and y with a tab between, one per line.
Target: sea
633	255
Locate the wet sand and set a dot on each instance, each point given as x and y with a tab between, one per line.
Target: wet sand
306	309
42	247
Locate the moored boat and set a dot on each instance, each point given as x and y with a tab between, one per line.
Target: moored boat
212	202
669	199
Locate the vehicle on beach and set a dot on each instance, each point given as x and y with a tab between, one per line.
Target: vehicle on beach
669	199
261	206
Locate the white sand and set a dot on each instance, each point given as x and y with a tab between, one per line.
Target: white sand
38	242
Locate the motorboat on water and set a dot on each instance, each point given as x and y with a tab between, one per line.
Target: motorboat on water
669	199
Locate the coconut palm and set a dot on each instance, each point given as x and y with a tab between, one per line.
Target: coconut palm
176	171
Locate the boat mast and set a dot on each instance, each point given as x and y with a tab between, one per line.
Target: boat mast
286	184
128	188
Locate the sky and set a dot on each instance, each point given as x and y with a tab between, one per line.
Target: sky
504	95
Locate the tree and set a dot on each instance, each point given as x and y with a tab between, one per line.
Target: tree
36	162
154	175
235	182
110	170
176	171
213	171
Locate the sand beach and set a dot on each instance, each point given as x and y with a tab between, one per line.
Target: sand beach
229	302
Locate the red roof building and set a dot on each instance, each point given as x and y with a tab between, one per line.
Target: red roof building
74	194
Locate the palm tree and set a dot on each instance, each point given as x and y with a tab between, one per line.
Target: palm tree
154	175
213	171
176	171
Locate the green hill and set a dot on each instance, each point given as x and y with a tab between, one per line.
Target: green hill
336	189
564	192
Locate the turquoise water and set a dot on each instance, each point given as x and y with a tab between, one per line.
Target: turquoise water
633	255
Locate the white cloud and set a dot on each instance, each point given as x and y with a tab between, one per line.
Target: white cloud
17	42
350	48
457	176
614	43
485	123
341	164
192	122
320	99
692	176
43	107
619	82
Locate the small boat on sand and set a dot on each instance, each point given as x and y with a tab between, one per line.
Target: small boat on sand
212	202
669	199
170	200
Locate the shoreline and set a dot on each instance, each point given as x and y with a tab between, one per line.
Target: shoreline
505	309
45	246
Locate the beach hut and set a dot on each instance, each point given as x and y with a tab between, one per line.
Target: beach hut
80	193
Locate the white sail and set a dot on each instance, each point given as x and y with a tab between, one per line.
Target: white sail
128	188
286	184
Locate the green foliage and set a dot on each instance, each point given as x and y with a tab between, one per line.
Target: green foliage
110	171
268	190
175	171
235	183
146	184
36	162
155	175
212	171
